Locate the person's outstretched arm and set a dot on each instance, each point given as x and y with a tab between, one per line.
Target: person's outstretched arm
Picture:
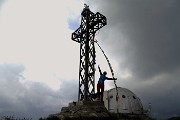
111	78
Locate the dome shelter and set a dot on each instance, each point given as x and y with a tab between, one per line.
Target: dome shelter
127	102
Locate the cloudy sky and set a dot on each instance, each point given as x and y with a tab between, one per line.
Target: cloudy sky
39	61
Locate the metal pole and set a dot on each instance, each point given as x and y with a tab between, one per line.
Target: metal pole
86	57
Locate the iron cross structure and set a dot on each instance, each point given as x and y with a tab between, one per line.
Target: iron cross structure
90	24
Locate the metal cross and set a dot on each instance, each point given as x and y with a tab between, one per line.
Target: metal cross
90	23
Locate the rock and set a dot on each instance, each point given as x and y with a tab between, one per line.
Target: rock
93	115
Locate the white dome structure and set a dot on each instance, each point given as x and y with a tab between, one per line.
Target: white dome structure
127	101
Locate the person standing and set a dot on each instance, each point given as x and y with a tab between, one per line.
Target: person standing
100	84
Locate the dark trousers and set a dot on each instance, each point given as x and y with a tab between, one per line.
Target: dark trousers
100	90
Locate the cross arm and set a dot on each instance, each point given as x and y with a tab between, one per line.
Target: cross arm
75	35
98	21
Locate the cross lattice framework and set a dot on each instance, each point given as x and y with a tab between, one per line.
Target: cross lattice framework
90	23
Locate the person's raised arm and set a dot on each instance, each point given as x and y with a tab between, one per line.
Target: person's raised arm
99	70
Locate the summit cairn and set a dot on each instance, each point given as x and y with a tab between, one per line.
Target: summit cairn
84	110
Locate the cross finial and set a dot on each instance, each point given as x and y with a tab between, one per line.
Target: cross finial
86	6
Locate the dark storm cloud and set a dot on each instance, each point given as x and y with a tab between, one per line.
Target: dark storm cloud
144	34
143	37
30	99
162	92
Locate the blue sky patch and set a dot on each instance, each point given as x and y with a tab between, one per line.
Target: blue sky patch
1	2
74	23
